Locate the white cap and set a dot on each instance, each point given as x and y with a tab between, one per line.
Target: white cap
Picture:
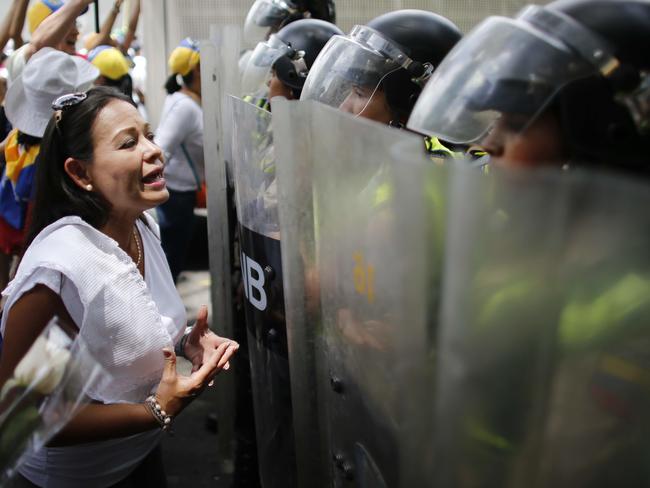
48	74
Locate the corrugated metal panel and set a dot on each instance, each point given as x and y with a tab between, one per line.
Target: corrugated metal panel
193	17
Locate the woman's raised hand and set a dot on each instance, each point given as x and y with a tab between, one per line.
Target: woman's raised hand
176	391
202	341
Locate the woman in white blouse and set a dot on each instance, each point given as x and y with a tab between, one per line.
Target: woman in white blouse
94	260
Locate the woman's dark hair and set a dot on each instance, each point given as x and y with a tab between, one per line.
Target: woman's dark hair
172	86
28	141
56	194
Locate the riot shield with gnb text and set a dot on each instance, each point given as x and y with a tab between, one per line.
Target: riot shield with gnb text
261	264
544	352
364	210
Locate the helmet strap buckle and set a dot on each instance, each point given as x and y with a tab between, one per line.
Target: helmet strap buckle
427	71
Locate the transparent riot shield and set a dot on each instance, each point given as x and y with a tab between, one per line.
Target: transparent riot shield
544	354
263	296
219	76
364	210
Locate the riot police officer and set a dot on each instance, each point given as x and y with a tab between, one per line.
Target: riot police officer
266	17
581	99
379	69
580	102
282	63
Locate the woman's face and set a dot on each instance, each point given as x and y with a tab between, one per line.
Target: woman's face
511	143
69	43
368	103
196	79
127	167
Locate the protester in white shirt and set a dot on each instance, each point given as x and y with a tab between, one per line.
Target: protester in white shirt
94	260
180	135
52	24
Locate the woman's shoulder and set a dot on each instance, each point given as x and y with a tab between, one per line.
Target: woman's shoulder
178	99
72	244
182	101
64	230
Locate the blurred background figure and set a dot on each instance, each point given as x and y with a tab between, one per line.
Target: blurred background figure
266	17
11	29
180	135
47	75
113	68
121	38
53	24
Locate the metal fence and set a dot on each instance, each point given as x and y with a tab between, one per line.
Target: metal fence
169	21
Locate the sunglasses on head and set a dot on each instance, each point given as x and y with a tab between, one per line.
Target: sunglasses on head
69	100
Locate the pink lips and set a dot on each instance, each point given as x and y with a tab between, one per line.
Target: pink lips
155	179
159	184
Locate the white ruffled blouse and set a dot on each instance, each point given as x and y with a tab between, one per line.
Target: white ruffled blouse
125	319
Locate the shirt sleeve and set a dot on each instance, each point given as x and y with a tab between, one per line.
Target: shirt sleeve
56	282
174	127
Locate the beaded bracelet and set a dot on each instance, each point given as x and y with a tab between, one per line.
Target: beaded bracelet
158	413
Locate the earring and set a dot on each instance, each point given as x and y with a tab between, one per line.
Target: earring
89	187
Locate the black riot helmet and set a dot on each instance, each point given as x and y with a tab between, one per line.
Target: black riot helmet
266	17
606	116
585	62
426	38
317	9
306	38
290	52
395	52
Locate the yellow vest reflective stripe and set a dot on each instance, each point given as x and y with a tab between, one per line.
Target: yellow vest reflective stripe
436	149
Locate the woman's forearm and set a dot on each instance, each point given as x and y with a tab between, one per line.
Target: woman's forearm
104	37
133	25
18	22
55	27
96	422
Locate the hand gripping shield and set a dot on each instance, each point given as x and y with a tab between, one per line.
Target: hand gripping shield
261	264
545	323
360	304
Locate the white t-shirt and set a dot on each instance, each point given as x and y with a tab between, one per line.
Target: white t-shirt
104	463
181	122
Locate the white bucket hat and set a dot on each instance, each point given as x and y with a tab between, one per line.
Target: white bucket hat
48	74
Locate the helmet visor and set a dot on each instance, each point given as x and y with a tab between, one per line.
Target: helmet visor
263	18
504	66
258	68
350	66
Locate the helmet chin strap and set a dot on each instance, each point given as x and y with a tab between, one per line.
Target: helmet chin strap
377	88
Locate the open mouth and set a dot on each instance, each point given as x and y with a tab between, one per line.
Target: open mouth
153	176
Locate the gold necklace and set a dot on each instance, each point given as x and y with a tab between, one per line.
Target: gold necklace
137	243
